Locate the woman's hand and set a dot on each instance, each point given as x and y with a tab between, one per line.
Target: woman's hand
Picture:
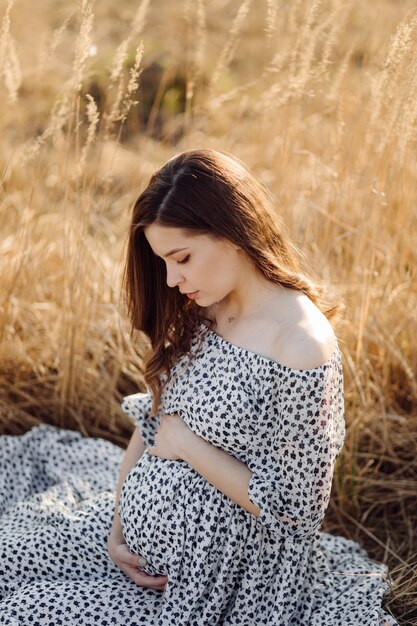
129	564
171	437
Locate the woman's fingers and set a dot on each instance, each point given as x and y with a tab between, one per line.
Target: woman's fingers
134	560
130	564
145	580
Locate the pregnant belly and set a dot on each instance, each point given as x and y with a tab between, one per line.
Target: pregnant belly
152	507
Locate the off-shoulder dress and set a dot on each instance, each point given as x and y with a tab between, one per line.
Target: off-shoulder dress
225	566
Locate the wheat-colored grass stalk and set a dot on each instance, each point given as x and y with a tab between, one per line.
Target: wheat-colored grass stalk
49	50
388	105
122	101
271	20
83	43
93	117
229	49
195	70
9	62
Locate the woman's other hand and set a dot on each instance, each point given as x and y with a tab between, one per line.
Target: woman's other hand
171	437
129	564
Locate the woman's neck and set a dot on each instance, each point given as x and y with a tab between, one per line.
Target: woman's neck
257	298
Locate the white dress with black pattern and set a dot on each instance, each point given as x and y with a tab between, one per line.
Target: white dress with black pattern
225	566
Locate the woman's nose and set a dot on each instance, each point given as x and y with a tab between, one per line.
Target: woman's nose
173	278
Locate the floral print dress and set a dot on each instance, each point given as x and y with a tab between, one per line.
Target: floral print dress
225	566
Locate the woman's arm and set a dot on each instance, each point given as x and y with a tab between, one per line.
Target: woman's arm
133	453
175	440
221	469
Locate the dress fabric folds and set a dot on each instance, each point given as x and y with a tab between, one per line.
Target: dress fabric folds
225	566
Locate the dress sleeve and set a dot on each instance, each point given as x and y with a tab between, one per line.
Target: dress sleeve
138	406
301	431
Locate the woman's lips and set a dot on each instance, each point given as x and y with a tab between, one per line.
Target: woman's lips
192	295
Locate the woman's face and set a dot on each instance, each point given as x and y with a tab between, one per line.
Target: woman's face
199	263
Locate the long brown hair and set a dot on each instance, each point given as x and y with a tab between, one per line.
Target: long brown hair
204	192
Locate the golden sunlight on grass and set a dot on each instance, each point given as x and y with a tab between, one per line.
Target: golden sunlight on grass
319	98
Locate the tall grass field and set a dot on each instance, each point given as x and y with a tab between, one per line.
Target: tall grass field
319	99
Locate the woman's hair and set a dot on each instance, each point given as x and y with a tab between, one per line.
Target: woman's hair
204	192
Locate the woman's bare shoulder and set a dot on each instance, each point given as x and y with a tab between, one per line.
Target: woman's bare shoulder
306	340
304	349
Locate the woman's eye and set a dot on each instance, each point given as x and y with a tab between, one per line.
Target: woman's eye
184	260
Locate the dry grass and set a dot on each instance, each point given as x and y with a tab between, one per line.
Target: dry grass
319	98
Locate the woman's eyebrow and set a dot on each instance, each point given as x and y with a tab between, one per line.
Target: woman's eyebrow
173	251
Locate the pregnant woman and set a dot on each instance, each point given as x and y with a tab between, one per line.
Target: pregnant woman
227	477
223	509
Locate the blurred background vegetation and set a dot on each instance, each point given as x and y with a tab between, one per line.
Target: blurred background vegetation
319	98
